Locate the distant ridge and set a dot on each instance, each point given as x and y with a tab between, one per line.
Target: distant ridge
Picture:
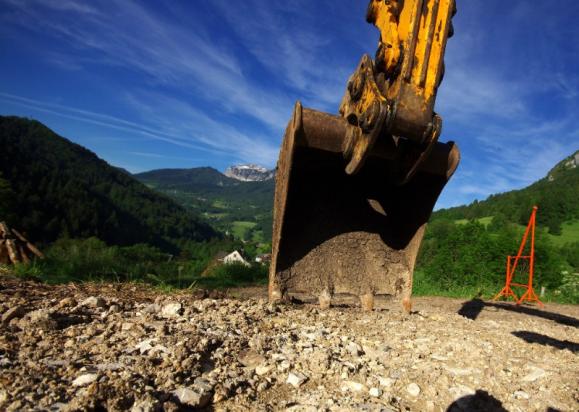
230	204
249	173
61	189
557	195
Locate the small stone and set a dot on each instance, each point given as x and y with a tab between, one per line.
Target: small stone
353	386
147	404
375	392
536	373
15	312
66	302
296	379
41	319
251	359
85	379
145	346
172	310
263	369
284	366
521	395
413	389
262	386
354	349
126	326
386	382
196	396
94	302
152	308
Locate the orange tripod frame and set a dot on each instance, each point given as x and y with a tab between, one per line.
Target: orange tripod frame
507	291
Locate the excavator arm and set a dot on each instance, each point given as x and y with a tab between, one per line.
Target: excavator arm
354	192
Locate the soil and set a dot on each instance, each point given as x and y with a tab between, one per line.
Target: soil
130	347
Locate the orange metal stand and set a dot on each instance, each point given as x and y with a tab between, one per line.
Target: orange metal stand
507	291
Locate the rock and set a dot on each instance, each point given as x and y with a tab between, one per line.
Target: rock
85	379
354	349
262	386
263	369
537	373
413	389
251	359
197	396
386	382
375	392
296	379
151	309
521	395
284	366
13	313
67	302
353	386
127	326
41	319
146	404
145	345
93	302
172	310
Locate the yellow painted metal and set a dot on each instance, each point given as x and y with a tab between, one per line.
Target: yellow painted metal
417	31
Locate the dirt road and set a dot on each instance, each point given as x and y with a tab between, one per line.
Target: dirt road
126	347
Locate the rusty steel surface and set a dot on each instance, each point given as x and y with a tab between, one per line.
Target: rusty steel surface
337	233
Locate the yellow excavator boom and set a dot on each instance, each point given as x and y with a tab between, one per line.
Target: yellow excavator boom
354	192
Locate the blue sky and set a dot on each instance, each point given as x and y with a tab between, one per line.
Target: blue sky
156	84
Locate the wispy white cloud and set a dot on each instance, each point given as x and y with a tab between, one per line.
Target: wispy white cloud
296	47
181	119
172	55
171	121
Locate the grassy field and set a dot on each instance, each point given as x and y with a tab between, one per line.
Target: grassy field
257	236
422	286
220	204
240	229
483	221
569	233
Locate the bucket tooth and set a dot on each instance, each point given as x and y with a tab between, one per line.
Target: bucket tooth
325	299
367	302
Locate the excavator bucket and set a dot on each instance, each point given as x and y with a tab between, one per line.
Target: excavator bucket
335	233
354	192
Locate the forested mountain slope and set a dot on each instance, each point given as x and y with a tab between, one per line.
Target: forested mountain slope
557	196
242	208
53	188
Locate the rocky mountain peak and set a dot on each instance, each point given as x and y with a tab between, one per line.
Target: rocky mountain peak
571	162
249	173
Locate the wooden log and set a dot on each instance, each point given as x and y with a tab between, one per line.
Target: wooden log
34	250
4	231
19	236
4	258
29	245
12	251
23	255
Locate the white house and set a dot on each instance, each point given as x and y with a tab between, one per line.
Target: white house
234	257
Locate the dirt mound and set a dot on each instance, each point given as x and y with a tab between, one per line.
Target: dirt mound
123	347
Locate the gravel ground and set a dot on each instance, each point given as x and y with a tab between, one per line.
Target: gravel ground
126	347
